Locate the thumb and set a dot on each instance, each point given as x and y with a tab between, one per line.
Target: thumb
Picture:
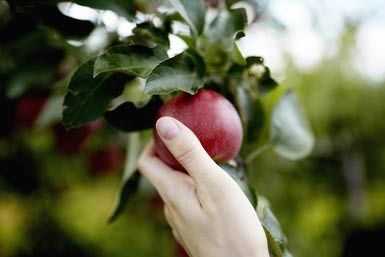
187	150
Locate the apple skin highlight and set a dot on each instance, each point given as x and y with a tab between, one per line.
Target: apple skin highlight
211	117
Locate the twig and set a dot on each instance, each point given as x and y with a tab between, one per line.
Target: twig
257	152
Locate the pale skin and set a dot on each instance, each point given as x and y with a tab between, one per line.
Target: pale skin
209	214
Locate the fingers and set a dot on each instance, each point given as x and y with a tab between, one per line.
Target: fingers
167	215
171	221
162	177
187	149
175	188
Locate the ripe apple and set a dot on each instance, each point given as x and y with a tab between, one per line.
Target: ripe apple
106	160
28	108
211	117
70	142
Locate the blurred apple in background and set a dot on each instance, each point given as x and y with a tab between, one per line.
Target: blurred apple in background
106	161
69	142
28	108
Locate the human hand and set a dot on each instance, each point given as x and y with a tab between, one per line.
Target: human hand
206	209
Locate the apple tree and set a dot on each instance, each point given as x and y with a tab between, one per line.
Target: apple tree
128	81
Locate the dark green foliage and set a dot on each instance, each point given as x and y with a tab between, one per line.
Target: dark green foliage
88	97
137	118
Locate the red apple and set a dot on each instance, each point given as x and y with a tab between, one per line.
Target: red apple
71	141
211	117
106	161
28	108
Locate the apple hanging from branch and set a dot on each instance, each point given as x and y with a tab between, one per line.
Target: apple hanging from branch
212	118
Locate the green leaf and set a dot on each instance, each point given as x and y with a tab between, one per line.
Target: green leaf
193	12
216	58
190	42
126	191
134	60
275	237
235	53
127	117
224	28
290	133
272	225
237	173
130	180
147	34
266	83
183	72
252	114
88	97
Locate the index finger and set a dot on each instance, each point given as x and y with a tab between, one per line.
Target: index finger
161	176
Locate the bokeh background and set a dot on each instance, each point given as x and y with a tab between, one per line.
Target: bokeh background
57	188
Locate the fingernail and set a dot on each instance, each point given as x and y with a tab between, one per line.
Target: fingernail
167	128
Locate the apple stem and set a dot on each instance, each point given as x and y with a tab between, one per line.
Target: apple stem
257	152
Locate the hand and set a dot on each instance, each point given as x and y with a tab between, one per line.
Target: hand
207	211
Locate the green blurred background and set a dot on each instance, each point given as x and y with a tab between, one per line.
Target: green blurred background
55	198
